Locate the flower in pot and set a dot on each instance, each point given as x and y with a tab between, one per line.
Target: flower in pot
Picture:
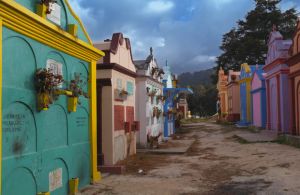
46	85
160	72
155	111
174	111
76	87
151	94
154	70
123	93
159	111
161	98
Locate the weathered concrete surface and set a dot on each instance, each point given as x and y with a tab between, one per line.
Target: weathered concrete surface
217	163
262	136
171	147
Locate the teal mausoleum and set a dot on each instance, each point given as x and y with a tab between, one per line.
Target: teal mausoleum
48	69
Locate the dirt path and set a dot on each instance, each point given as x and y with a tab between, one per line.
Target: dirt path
217	163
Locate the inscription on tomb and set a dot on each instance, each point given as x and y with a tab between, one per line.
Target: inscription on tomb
81	121
14	122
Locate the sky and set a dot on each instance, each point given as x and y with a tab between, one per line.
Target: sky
186	33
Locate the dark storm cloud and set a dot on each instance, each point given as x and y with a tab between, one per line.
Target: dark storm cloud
187	33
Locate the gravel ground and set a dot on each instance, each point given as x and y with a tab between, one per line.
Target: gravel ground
217	163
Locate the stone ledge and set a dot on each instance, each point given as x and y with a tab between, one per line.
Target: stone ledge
114	169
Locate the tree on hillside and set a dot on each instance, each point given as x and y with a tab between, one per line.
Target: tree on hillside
203	101
248	41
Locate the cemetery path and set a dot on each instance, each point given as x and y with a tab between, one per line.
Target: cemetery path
217	163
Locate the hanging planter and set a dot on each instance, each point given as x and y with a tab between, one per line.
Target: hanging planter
123	92
155	111
159	111
76	89
174	111
154	70
161	98
151	94
160	72
44	100
47	87
72	104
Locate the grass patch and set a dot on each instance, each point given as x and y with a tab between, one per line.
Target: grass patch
193	120
254	129
226	123
240	140
289	140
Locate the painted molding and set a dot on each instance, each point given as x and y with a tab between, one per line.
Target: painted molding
96	176
117	67
258	90
245	80
104	82
79	21
294	60
1	31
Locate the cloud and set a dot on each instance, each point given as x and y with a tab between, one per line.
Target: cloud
159	6
203	59
187	33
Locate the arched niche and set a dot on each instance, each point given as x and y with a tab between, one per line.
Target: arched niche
19	135
53	127
56	174
79	126
19	63
81	168
28	186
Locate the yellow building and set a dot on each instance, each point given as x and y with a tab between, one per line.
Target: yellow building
222	92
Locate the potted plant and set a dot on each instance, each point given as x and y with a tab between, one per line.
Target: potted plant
159	111
154	70
76	87
151	94
161	98
160	72
174	111
47	87
123	93
154	112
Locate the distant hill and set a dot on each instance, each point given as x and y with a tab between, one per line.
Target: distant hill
202	77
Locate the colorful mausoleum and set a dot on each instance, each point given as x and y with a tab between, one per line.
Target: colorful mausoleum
277	83
294	82
171	93
245	94
116	93
48	65
233	93
258	98
222	92
150	91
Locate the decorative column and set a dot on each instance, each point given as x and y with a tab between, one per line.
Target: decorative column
96	176
268	105
292	128
278	103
